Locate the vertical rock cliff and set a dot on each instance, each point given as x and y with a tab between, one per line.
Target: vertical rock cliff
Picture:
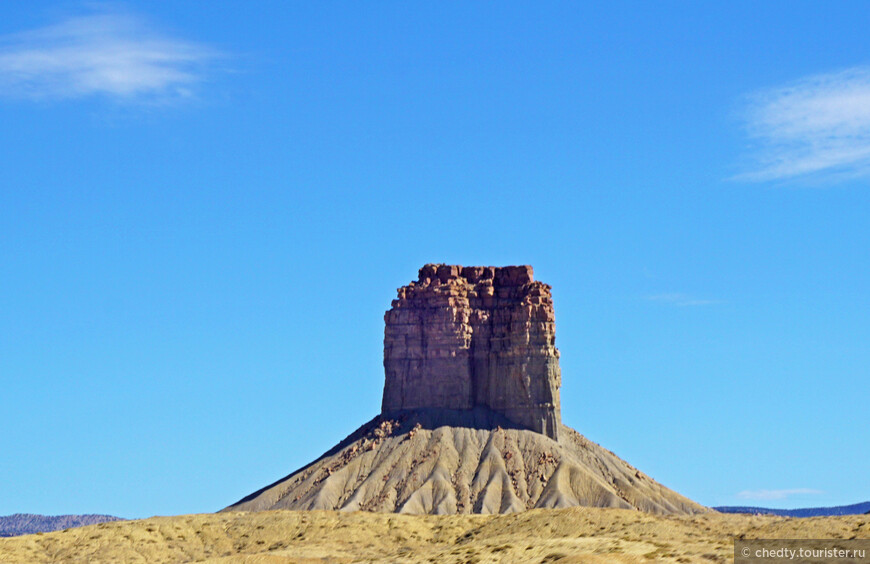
474	336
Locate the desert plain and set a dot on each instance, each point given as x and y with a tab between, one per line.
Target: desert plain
576	534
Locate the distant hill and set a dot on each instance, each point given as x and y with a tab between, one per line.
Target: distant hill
856	509
27	523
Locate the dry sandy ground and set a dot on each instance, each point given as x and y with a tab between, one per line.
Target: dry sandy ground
577	534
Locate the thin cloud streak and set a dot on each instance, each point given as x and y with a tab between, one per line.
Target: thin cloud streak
681	300
776	494
112	54
818	127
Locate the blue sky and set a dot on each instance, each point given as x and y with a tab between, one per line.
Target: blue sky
206	208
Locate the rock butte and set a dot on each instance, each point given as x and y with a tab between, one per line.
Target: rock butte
459	337
470	420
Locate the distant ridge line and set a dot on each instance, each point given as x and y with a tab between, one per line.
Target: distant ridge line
855	509
30	523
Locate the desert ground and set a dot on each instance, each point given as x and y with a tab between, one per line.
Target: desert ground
578	534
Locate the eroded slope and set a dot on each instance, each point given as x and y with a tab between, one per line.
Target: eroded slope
464	461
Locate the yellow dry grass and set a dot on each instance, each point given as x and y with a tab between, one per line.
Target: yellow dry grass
578	534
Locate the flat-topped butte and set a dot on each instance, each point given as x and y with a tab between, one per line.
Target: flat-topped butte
474	336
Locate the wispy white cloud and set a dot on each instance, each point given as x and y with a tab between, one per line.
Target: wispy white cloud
818	127
108	53
681	300
776	494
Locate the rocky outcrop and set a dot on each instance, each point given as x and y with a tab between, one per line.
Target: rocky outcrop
470	419
474	336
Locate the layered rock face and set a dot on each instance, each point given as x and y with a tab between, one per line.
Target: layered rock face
474	336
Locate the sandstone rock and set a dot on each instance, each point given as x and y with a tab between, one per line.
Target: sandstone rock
475	336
